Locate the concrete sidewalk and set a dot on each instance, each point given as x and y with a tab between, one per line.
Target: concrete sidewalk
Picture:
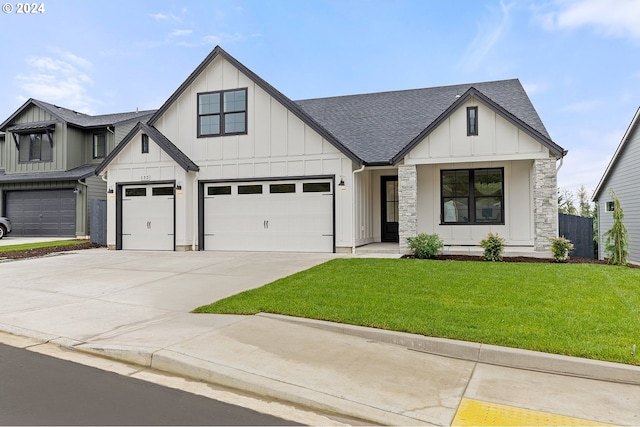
134	306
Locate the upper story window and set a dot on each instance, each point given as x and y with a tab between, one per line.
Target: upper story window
222	113
36	147
472	121
472	196
99	145
144	147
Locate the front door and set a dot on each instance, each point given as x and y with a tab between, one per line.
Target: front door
389	202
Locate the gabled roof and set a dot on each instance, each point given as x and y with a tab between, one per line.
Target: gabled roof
290	105
81	172
381	128
635	122
78	119
162	141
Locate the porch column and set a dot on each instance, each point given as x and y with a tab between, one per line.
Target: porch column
407	204
545	203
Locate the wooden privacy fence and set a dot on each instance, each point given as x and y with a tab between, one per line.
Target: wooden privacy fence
579	230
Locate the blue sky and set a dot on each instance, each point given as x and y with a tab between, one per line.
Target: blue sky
578	60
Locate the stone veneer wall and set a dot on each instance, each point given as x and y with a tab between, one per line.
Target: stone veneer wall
545	203
408	202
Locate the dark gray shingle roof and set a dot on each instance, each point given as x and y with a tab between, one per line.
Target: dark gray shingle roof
378	126
80	119
74	174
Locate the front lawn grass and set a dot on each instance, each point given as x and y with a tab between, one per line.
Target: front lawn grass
40	245
583	310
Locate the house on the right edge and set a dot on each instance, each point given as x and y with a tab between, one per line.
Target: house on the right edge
622	176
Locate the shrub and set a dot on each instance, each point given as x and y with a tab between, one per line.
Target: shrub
493	247
425	245
560	247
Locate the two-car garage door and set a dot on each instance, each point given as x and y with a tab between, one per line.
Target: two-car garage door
269	216
42	213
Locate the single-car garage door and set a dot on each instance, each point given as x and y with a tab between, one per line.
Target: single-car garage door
147	217
42	213
269	216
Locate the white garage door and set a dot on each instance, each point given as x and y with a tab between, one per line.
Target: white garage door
147	217
289	216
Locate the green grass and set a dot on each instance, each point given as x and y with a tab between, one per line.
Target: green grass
29	246
583	310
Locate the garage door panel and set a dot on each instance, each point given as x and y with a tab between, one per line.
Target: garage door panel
147	219
42	213
270	221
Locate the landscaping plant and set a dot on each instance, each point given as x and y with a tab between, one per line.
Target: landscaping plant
560	248
617	244
425	246
493	246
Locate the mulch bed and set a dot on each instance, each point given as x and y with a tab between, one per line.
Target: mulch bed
571	260
40	252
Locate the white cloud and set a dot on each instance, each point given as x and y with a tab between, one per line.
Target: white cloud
489	34
180	33
170	17
60	80
533	88
611	18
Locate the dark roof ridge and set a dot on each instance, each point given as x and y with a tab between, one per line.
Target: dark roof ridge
471	84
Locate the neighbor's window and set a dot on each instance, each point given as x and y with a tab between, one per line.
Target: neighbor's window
611	207
145	143
36	147
99	145
472	196
472	121
222	113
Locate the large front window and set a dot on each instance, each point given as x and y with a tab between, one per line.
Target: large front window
222	113
36	147
472	196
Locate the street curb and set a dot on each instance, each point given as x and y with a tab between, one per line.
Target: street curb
483	353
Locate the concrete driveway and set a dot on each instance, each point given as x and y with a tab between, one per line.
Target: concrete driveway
98	294
17	240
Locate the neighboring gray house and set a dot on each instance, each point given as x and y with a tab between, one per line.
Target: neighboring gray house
623	177
48	157
230	163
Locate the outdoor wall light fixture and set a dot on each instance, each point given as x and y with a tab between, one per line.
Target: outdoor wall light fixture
179	186
110	190
342	185
77	191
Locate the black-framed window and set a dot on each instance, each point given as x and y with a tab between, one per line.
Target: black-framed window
99	145
472	121
36	147
222	113
472	196
144	143
611	207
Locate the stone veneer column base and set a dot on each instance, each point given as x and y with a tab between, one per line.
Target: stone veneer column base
408	202
545	203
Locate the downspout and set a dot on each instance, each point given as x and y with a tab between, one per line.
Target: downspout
353	206
195	211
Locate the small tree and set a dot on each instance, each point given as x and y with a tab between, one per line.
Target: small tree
560	248
617	241
584	203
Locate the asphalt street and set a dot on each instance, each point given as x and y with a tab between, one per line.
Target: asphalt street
41	390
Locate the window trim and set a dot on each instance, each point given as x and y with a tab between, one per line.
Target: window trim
610	206
471	132
95	135
221	114
471	198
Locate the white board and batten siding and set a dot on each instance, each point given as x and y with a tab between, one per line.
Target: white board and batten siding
499	144
277	145
624	179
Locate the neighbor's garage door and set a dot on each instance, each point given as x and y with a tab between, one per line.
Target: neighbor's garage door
269	216
42	213
147	217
